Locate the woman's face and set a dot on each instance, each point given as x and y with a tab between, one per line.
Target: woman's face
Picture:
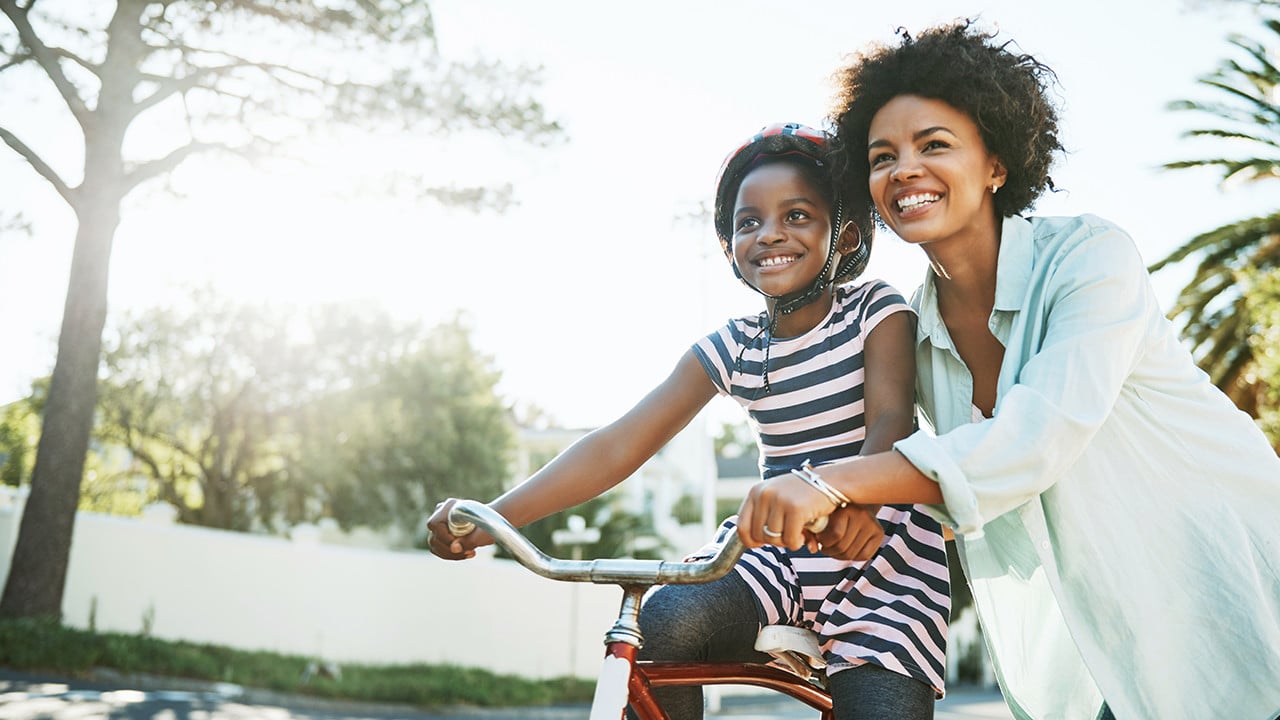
930	171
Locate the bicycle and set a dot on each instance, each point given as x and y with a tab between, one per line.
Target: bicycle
625	681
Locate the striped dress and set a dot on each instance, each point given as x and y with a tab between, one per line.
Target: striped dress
891	610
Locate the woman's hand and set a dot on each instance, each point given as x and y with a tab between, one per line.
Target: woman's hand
445	544
852	533
777	510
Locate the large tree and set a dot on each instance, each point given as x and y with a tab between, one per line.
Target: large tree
248	417
200	398
421	422
1212	307
19	432
237	76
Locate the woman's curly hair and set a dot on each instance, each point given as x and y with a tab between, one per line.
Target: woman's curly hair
1004	92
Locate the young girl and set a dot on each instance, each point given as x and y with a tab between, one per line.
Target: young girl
1115	514
826	372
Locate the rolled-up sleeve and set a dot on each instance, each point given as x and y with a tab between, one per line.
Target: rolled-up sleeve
960	502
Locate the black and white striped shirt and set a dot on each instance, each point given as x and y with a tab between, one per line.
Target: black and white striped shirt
893	609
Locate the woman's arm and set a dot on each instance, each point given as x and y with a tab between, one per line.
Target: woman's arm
787	504
596	462
1087	337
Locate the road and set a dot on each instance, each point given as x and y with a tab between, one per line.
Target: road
33	697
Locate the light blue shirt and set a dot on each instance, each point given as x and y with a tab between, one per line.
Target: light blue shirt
1118	518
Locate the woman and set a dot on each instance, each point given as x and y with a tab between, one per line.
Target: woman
1116	515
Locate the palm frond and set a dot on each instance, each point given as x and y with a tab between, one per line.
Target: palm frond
1226	111
1257	107
1250	170
1234	235
1234	135
1211	307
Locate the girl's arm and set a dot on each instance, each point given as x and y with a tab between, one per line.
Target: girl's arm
596	462
889	390
889	372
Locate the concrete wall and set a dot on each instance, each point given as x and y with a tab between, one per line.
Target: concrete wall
333	603
329	602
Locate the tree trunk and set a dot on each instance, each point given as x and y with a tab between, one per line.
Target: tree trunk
38	572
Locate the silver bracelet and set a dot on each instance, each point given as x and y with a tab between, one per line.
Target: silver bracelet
809	475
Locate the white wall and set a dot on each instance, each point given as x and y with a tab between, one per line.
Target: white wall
329	602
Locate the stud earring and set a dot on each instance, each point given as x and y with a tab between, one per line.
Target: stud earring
994	187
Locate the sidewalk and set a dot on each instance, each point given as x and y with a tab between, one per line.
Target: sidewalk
964	703
967	703
27	696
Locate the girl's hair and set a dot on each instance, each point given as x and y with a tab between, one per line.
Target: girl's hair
1002	91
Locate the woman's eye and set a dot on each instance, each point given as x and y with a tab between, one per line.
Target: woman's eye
880	159
936	145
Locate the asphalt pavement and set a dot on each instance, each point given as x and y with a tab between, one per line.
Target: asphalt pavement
26	696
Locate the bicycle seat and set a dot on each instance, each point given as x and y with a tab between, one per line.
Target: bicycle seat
794	648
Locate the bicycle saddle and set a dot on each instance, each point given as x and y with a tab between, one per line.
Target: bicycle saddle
794	648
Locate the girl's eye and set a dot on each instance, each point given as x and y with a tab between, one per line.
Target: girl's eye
795	215
745	223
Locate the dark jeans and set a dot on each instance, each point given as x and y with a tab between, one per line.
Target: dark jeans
718	622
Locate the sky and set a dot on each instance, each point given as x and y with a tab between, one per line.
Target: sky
587	291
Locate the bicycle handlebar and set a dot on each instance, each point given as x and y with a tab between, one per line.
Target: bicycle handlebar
466	515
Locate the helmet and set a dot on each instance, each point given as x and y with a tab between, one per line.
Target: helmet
809	144
771	141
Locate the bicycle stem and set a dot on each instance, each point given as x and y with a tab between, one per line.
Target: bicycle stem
626	629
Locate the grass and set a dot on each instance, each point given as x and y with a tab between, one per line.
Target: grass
46	646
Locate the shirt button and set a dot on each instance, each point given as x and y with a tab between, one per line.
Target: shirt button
1044	544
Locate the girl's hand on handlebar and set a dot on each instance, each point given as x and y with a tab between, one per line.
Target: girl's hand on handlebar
444	543
777	511
852	533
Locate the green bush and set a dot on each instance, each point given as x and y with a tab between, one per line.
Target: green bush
46	646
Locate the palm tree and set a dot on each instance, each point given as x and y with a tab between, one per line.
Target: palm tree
1211	306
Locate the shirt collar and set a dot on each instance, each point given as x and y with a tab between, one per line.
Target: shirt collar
1017	253
929	326
1013	266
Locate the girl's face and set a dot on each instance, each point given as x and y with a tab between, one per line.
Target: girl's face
930	171
781	229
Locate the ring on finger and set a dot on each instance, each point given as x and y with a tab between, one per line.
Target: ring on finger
769	533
